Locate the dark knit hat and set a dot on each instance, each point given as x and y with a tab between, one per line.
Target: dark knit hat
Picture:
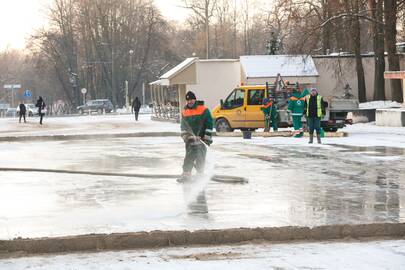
190	95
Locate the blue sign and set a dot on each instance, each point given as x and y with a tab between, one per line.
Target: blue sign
27	94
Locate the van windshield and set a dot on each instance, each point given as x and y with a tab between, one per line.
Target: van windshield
235	99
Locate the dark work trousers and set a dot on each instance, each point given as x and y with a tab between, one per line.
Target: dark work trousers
21	116
314	123
136	115
41	115
195	157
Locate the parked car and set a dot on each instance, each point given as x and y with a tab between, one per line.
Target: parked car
3	108
31	109
11	112
97	105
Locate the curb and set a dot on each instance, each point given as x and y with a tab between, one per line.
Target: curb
149	134
159	239
86	136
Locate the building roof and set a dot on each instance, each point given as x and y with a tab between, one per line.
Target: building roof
264	66
179	68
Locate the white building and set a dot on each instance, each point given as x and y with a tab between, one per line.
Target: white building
213	79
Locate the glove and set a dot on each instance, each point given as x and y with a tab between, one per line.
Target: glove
193	138
207	142
186	137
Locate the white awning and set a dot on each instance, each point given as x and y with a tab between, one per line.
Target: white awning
177	69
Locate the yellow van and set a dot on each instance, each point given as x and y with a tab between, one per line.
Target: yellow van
241	109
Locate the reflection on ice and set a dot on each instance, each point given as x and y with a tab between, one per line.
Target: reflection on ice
288	185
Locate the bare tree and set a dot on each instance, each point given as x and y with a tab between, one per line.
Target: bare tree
204	11
353	8
390	30
92	39
377	29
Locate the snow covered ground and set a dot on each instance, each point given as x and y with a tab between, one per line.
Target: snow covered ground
359	134
380	104
93	124
388	255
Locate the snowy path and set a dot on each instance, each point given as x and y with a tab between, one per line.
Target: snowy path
389	255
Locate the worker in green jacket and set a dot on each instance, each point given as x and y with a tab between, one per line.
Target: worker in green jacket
269	109
296	105
196	131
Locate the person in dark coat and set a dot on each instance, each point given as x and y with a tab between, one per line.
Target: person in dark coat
41	107
315	108
23	111
136	106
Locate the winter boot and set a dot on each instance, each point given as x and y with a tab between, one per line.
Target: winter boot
318	137
311	137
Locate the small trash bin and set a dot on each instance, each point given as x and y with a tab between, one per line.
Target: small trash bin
247	134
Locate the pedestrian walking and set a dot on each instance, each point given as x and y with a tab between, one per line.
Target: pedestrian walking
41	109
23	112
196	131
315	108
136	106
296	109
269	109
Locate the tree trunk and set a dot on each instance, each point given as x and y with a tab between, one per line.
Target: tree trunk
326	33
376	8
390	11
355	28
207	33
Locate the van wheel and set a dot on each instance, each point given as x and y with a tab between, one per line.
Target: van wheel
221	125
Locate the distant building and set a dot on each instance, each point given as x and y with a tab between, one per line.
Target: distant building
401	47
213	79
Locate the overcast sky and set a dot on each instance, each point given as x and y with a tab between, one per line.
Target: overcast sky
18	18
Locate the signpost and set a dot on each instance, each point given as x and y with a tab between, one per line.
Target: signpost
12	87
84	91
27	94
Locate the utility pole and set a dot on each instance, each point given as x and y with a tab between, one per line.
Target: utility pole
143	94
131	52
112	67
126	95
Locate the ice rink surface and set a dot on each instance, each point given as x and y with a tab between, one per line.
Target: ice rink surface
352	180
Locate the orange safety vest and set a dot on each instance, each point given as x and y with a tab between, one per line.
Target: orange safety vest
199	110
295	99
268	104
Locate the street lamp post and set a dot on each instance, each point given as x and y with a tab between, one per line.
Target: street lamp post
74	80
131	53
84	91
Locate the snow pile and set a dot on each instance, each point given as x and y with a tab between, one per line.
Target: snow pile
381	104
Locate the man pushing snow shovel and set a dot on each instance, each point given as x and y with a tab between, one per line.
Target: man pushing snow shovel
196	131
